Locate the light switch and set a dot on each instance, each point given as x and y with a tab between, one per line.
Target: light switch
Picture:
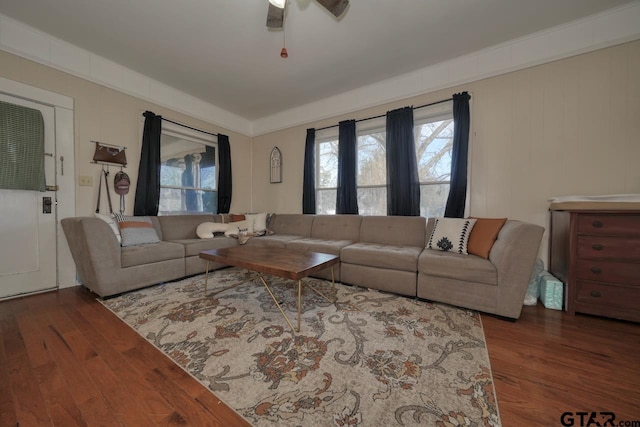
86	181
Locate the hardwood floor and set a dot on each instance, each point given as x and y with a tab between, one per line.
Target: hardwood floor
65	360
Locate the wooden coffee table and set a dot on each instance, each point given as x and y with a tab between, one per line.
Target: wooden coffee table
281	262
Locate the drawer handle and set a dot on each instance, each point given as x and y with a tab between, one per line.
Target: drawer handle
596	294
597	247
597	224
596	270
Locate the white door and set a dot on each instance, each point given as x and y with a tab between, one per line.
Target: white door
27	235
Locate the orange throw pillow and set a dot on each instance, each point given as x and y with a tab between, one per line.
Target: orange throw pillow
483	235
237	217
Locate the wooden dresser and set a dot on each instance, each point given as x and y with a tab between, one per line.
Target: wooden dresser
596	254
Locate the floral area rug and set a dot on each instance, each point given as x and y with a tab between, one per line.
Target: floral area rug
371	359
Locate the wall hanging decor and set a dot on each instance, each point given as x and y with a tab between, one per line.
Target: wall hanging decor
109	154
276	166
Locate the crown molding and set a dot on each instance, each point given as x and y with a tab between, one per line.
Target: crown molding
608	28
27	42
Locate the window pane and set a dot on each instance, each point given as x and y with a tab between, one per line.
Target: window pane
326	201
174	201
433	150
372	166
433	199
328	164
187	163
208	177
372	201
191	165
171	174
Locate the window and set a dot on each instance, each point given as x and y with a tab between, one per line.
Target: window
188	172
372	172
434	139
327	176
433	133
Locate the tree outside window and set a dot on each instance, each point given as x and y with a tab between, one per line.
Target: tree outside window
433	140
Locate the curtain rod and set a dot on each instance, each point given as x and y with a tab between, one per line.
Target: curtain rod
190	127
383	115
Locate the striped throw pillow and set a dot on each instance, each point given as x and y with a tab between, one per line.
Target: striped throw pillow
136	230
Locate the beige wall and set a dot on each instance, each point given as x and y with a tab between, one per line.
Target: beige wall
562	128
566	127
112	117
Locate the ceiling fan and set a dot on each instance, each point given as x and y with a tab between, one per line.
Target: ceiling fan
275	15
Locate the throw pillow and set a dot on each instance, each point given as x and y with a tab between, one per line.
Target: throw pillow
484	235
114	226
207	230
236	217
136	230
259	221
451	235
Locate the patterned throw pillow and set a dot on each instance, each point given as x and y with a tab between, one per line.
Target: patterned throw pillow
136	230
451	235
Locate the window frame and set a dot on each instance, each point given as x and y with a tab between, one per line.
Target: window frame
197	137
439	112
325	137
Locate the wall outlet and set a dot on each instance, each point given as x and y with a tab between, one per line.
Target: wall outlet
86	181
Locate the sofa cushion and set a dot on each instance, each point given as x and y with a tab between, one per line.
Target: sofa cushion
148	254
336	227
393	230
382	256
318	245
176	227
468	268
451	235
292	224
193	247
109	219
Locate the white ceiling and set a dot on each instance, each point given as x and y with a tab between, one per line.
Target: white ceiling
220	51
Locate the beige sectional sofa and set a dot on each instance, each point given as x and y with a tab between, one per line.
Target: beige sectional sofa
385	253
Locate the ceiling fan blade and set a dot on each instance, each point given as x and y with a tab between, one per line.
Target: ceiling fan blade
275	17
336	7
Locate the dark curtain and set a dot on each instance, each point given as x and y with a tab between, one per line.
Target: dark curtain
209	198
403	184
459	156
309	180
347	198
147	197
224	174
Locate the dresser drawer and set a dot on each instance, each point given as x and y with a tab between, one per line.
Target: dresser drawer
609	224
609	272
623	248
608	295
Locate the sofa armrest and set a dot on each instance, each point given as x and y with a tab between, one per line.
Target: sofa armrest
94	247
514	254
